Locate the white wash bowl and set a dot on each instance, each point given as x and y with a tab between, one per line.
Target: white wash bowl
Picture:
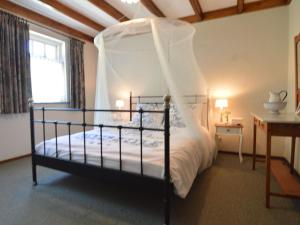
275	107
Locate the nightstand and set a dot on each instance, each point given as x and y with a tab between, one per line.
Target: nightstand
231	130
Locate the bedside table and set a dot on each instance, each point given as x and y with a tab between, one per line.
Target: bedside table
231	130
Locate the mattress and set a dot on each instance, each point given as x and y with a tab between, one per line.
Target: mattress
186	157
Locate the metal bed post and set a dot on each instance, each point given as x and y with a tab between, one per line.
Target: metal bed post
130	106
167	194
141	139
32	136
56	144
101	144
70	145
120	147
84	131
44	129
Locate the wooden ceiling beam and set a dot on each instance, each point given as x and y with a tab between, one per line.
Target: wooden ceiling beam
220	13
248	7
110	10
212	15
150	5
240	5
36	17
73	14
197	8
265	4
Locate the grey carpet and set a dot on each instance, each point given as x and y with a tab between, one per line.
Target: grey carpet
229	193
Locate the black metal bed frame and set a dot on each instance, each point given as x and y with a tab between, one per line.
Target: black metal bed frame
99	171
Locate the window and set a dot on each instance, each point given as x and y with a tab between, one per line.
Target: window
48	69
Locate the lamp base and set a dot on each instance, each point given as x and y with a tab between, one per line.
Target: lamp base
226	115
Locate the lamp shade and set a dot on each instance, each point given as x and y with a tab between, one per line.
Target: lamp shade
221	103
120	103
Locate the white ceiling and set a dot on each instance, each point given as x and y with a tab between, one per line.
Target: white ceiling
130	11
171	8
210	5
175	8
52	13
91	11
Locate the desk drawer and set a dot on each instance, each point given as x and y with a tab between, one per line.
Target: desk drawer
228	130
289	130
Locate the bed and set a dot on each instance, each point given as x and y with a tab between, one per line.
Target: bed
141	149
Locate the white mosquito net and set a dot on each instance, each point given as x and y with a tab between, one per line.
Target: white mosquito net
151	56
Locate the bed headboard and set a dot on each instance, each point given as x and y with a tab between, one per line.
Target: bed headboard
158	99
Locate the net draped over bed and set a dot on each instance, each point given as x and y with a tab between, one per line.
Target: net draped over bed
153	56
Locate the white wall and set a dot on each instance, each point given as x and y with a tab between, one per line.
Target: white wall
294	29
242	58
14	129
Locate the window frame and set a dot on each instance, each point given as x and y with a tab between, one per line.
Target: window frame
36	37
56	39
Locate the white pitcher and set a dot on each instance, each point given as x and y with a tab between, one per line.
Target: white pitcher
276	96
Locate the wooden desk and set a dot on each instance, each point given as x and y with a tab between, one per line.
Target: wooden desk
285	125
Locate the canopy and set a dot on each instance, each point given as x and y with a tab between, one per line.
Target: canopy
150	56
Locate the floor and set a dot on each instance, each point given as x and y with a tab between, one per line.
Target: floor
229	193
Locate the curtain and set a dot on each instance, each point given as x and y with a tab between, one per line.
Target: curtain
15	82
77	98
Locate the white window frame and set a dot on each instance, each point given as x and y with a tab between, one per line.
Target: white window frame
36	32
35	36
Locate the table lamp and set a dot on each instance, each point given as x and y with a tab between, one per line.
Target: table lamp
120	104
222	103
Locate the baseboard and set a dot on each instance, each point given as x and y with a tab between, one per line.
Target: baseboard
236	153
15	158
249	154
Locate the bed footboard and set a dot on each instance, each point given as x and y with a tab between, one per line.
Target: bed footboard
98	172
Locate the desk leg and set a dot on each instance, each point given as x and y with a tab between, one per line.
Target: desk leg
240	149
293	155
268	170
254	145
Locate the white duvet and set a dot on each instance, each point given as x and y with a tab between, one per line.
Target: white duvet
186	156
